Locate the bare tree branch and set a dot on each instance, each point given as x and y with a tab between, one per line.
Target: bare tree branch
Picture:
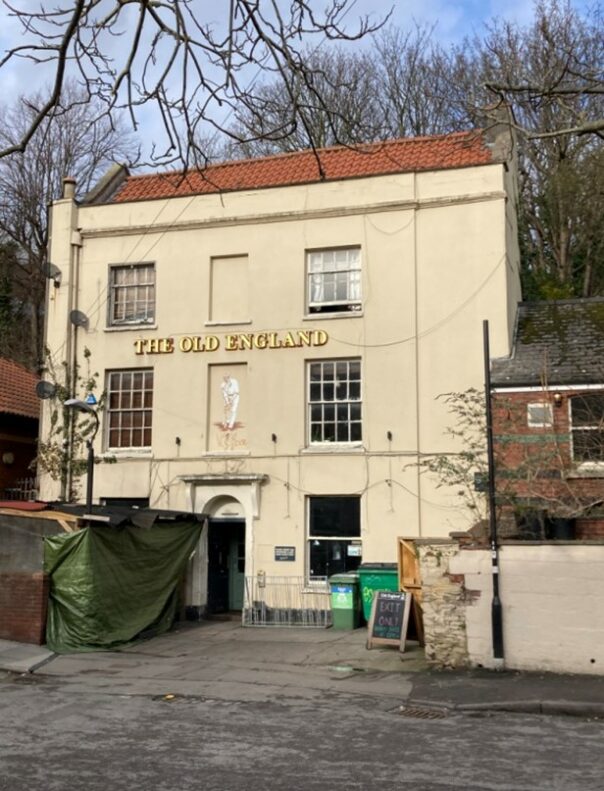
193	64
78	141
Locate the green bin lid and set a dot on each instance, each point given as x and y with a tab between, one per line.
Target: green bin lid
345	578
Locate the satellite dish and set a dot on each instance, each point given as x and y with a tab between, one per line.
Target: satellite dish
45	390
54	273
78	319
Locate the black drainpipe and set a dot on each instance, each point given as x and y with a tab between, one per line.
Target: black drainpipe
496	609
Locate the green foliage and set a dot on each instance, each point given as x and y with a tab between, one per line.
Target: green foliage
534	475
62	455
459	470
14	341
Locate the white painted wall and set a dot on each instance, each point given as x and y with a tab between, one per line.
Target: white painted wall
553	606
439	255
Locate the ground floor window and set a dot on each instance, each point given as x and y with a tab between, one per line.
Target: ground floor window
129	408
334	535
587	424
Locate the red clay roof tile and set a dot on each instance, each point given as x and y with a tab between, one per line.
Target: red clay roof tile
18	390
458	150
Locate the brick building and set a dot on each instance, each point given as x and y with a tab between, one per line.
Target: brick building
19	413
548	419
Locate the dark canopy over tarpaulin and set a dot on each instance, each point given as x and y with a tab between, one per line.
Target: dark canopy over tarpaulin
114	585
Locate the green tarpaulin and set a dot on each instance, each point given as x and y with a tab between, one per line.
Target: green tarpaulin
110	586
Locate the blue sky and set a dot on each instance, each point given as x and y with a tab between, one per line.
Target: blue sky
452	20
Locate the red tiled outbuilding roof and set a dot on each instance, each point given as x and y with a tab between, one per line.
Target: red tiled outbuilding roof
18	390
459	150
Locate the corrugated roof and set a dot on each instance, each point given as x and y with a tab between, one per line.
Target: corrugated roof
556	343
18	390
458	150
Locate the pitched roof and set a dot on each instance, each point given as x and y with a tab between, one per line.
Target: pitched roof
458	150
556	343
18	390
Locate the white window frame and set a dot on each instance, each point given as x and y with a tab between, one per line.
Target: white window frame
585	464
333	404
328	272
546	420
353	540
128	408
142	298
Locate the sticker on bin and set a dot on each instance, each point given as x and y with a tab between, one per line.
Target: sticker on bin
341	597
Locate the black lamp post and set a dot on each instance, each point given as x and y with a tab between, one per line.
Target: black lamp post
83	406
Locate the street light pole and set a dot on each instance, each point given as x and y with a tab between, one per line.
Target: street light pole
83	406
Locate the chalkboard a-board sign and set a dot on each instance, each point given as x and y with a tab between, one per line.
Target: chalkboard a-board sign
389	619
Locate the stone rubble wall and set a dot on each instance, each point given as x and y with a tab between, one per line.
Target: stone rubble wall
443	604
552	596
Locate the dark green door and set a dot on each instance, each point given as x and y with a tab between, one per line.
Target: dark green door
226	565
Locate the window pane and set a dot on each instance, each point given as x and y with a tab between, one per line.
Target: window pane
328	391
315	372
316	433
355	432
342	433
342	391
342	371
588	410
329	432
335	516
588	445
328	372
331	557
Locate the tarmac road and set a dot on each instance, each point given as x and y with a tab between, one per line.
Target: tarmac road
57	736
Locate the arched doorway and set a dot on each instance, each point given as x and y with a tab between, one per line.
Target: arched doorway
226	556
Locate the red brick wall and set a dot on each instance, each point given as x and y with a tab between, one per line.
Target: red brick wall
535	464
23	603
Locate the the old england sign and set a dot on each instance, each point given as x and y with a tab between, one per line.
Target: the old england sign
239	341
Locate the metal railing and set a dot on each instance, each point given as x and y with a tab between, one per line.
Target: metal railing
22	489
286	601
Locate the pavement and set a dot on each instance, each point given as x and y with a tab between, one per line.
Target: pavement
222	660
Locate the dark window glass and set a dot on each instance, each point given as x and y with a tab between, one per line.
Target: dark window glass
587	415
333	537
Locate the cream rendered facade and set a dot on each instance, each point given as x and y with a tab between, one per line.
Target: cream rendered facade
438	254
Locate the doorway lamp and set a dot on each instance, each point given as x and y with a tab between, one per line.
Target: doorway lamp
83	406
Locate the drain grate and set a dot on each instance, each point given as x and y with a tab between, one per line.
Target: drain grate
422	714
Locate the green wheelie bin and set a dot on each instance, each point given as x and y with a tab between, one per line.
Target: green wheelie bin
376	577
345	601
